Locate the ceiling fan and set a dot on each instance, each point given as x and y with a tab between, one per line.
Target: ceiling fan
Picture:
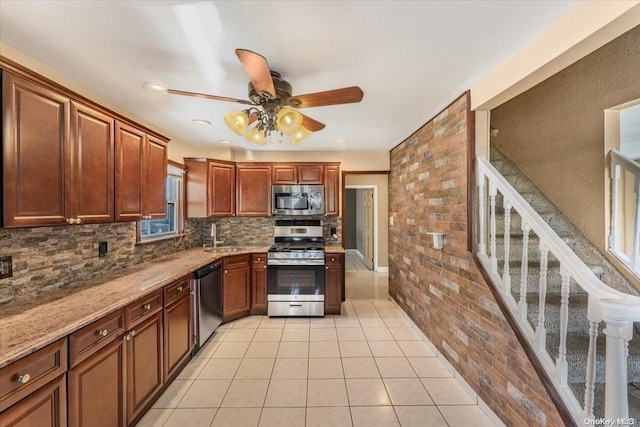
272	105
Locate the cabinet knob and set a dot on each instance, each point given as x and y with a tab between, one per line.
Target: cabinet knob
68	220
127	337
103	333
179	288
23	379
225	272
333	259
326	268
133	332
78	220
147	306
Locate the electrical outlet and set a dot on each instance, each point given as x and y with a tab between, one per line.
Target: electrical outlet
6	267
102	249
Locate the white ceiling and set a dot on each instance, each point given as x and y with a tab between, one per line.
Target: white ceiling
411	58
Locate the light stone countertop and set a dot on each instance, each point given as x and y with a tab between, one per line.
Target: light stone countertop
333	249
27	326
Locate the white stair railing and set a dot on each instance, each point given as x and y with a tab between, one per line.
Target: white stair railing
623	165
616	309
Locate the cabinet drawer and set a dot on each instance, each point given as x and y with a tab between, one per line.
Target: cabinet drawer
177	290
142	308
333	259
26	375
236	261
91	338
259	259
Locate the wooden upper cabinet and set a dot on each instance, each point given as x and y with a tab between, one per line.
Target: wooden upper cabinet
155	190
254	190
141	175
211	188
285	174
90	167
221	189
34	148
130	179
310	174
331	190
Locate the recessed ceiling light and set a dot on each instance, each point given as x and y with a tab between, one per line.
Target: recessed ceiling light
342	141
201	122
225	141
154	87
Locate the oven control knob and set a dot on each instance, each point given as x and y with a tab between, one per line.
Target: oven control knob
295	255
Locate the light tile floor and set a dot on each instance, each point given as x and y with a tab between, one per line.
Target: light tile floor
367	367
353	261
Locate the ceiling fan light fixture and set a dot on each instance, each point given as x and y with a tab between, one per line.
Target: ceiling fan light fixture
257	136
237	121
288	121
298	135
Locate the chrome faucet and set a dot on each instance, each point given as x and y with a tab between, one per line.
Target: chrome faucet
214	235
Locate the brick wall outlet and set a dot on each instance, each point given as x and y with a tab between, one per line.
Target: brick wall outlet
102	249
6	269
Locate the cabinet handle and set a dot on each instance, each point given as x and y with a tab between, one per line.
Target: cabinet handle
127	337
332	259
179	288
133	332
68	220
326	268
225	272
78	220
147	307
23	379
103	333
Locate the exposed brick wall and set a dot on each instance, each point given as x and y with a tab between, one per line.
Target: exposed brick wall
444	292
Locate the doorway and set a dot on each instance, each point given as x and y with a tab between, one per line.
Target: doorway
360	217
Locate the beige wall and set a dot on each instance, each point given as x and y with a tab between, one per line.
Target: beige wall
382	182
554	132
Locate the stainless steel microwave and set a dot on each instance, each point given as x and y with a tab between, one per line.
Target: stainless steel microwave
298	199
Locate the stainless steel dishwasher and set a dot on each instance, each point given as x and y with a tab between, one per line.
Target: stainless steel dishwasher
207	303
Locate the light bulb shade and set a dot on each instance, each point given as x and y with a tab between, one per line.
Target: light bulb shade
299	135
237	121
289	120
256	136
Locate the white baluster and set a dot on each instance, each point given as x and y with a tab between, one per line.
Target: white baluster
618	331
635	256
492	237
506	276
524	271
590	377
615	194
562	368
482	209
541	332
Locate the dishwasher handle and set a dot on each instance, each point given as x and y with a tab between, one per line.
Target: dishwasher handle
208	269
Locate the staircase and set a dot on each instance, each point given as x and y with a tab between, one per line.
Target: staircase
561	333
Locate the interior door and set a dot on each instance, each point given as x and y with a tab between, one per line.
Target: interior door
367	228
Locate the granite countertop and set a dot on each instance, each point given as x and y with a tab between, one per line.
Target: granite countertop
30	325
333	249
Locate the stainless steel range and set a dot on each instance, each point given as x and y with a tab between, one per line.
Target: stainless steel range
295	273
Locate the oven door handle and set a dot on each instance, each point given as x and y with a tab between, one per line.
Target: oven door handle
310	262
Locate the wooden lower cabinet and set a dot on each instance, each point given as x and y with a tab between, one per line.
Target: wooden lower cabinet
236	287
144	364
258	283
97	388
178	334
43	408
333	282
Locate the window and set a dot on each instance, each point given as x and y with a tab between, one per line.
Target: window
173	224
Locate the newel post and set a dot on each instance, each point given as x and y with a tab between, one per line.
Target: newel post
616	315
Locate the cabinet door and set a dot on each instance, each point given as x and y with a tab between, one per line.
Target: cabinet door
144	364
334	278
90	166
285	174
331	190
96	388
236	292
34	144
43	408
258	284
221	190
155	183
130	177
177	334
254	190
310	174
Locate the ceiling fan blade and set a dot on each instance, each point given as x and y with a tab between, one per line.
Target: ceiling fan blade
311	124
345	95
257	68
206	96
